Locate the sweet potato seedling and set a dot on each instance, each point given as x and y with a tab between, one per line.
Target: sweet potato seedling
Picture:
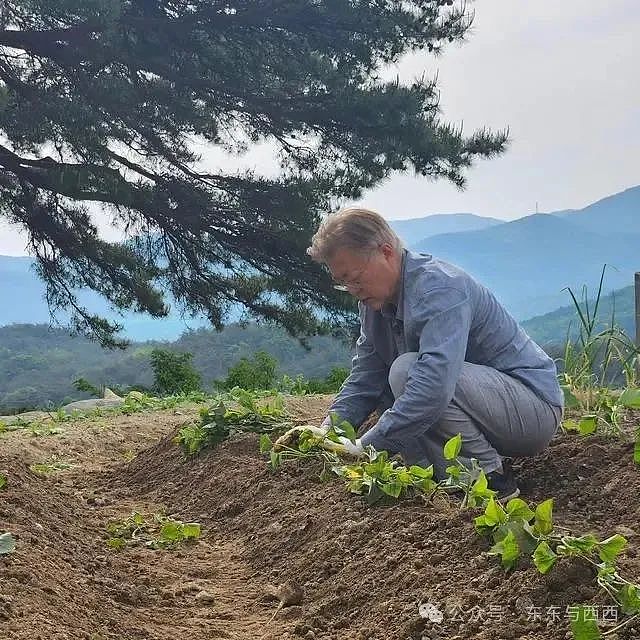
379	479
305	442
36	428
222	419
517	530
51	466
155	532
376	477
4	481
467	478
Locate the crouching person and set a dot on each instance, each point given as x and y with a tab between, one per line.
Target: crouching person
438	353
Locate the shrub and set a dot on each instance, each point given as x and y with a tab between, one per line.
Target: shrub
252	374
173	372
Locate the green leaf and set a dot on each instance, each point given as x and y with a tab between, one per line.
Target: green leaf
191	530
588	425
508	550
7	544
421	472
610	548
629	599
522	533
404	478
584	623
274	459
393	489
570	399
426	485
636	448
116	543
494	513
483	526
452	447
570	425
630	398
543	523
453	471
577	545
265	443
544	557
480	490
170	531
335	419
3	481
518	509
346	429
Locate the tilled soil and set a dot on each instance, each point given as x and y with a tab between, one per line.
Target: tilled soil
409	571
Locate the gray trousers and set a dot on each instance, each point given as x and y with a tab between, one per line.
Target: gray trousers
497	416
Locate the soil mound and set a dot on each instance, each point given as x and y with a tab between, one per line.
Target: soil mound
340	569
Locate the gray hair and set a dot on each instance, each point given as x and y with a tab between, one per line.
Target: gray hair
361	230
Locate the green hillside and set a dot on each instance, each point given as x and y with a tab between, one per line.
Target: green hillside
38	365
551	328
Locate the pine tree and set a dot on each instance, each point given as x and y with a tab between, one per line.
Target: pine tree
102	102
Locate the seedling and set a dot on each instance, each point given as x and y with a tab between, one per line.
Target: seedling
156	532
36	428
308	441
4	481
219	421
376	478
39	429
60	415
517	530
52	466
379	478
308	447
128	455
468	478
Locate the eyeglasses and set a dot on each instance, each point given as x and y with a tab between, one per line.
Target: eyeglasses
354	282
351	283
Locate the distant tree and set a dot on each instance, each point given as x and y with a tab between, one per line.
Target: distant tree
81	384
173	372
102	102
256	373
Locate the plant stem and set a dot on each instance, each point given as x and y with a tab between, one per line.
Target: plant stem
623	624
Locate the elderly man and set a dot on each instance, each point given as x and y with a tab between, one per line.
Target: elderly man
439	353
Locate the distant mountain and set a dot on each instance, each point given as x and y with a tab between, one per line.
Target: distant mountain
551	328
529	261
526	262
417	229
22	298
620	212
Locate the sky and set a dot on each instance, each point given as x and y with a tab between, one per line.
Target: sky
561	75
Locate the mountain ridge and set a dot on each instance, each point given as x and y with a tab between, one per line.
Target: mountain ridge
526	262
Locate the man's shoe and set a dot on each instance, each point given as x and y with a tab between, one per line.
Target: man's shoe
504	484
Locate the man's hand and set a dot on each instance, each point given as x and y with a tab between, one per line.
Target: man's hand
289	437
344	446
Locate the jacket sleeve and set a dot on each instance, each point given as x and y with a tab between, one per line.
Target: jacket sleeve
444	316
361	391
